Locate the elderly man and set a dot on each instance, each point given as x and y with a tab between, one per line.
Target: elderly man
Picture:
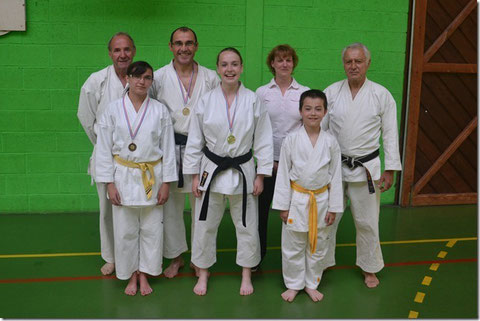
359	112
97	92
179	86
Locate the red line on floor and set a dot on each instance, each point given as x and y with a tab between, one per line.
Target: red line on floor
191	274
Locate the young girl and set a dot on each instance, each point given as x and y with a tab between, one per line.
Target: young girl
308	193
135	155
227	124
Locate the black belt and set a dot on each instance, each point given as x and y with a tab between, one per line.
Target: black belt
224	163
180	140
354	162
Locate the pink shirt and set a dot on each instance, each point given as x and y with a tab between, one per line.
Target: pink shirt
283	110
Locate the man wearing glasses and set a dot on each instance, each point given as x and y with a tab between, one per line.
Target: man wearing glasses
101	88
179	85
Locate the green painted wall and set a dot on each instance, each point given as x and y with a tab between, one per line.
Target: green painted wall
44	152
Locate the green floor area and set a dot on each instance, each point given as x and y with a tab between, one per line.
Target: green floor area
70	286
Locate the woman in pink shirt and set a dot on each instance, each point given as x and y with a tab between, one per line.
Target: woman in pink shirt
281	96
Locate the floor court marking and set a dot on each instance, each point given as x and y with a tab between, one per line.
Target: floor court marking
192	274
413	315
427	280
420	296
449	240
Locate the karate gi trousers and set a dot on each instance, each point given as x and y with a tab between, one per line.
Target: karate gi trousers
365	210
106	224
175	239
300	267
204	252
138	240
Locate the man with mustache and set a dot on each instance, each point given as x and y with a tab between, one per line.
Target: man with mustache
179	85
101	88
360	111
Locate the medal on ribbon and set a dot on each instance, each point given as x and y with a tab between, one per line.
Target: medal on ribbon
185	110
231	138
132	146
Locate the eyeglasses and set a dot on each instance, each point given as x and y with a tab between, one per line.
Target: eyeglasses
188	44
138	78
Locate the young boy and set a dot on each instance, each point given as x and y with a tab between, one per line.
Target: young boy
308	193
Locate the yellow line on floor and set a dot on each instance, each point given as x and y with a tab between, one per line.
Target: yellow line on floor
16	256
451	243
434	266
427	280
413	315
442	254
429	240
419	297
11	256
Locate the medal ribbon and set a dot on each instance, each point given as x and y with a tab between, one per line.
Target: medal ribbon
230	123
133	134
185	99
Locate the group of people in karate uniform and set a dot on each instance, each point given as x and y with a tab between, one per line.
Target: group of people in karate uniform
159	136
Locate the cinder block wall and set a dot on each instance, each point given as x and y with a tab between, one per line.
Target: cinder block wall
44	152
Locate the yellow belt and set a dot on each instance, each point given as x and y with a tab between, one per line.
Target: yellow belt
144	167
312	212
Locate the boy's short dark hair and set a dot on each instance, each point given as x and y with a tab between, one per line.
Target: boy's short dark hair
314	93
138	68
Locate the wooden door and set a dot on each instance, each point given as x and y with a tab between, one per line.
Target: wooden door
440	164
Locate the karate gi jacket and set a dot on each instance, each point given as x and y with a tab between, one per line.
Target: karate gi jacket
209	127
154	141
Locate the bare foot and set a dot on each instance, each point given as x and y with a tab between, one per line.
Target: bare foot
314	294
108	268
196	268
371	280
201	286
246	288
131	288
289	295
145	288
172	270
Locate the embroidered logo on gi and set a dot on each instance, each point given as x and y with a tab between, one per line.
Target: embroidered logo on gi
290	220
204	178
318	280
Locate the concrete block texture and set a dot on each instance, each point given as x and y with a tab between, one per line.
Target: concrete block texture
44	151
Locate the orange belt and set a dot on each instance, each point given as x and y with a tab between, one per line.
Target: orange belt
144	167
312	212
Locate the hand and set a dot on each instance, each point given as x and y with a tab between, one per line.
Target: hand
163	191
386	181
113	194
284	216
258	185
195	182
330	218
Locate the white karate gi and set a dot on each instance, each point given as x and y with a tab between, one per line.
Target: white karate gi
312	168
166	89
357	124
209	127
101	88
138	229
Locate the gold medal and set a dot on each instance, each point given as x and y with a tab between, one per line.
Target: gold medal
231	139
185	111
132	147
